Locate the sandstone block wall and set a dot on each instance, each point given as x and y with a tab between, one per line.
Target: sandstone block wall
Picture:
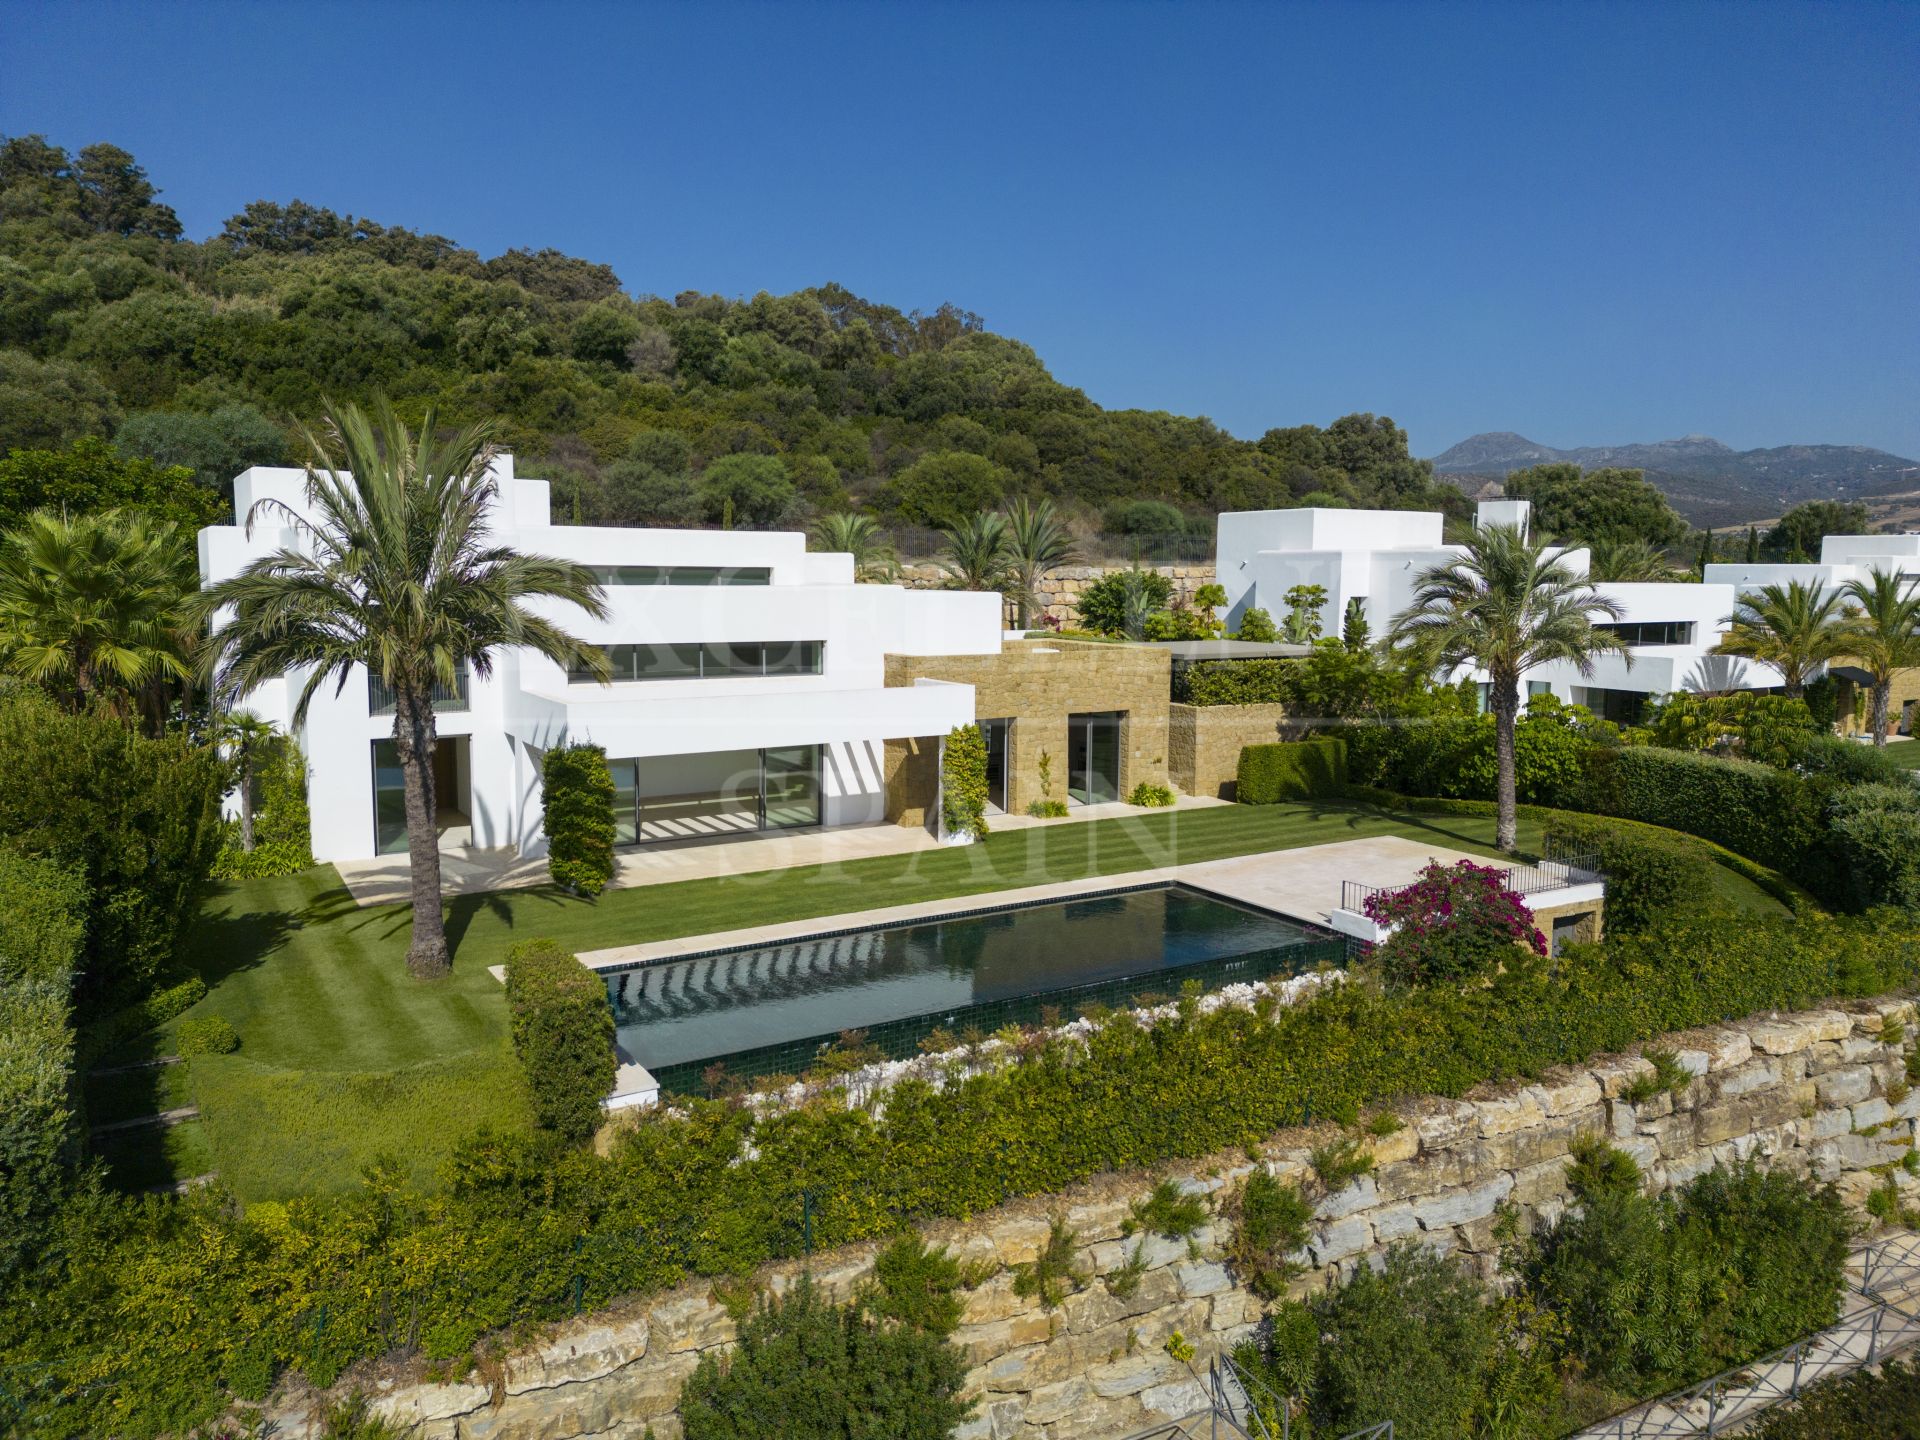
1037	684
1822	1091
1205	742
1061	589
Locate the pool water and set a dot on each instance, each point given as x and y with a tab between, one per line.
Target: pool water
770	1009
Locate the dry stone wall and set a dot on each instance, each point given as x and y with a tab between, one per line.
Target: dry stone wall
1061	588
1823	1091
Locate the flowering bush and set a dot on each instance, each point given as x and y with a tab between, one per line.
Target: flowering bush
1452	922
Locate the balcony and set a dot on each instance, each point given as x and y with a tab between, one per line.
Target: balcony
447	699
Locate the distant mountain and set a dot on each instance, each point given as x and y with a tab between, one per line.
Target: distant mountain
1708	482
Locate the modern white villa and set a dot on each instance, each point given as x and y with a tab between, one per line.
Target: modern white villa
750	690
1375	556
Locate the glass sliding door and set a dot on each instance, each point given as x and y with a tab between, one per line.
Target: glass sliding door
389	801
1093	757
997	734
790	787
626	804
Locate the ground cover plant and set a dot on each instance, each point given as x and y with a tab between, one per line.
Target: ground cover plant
1866	1405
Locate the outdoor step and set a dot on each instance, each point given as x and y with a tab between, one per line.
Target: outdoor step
137	1065
181	1187
148	1122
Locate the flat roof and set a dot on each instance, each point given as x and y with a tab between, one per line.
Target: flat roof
1188	651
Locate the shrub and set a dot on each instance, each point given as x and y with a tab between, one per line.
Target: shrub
282	822
1047	809
1257	625
805	1369
105	1036
1648	872
41	910
1876	842
576	793
1660	1291
963	782
137	820
1847	762
1168	1210
1053	1274
1291	770
1150	796
1866	1405
1236	682
1453	923
915	1284
562	1030
1451	754
1271	1222
1104	603
206	1035
1768	815
1419	1343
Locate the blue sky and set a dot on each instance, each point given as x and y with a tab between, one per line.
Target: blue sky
1588	223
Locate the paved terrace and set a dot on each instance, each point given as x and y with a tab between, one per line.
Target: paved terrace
464	870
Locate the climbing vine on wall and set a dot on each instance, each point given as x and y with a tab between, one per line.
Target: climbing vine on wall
963	782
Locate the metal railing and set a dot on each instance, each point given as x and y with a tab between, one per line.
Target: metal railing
1875	1329
1557	869
445	697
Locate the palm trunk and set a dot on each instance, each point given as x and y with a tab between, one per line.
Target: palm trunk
1882	701
413	742
246	803
1503	696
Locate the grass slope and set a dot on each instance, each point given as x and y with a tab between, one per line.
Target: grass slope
344	1058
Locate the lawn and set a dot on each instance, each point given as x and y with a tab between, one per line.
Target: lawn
344	1058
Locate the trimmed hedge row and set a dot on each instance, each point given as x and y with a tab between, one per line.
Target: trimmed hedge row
576	798
1236	682
204	1299
1648	872
562	1030
41	924
1291	770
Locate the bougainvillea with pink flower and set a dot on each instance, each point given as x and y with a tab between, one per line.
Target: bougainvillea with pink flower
1454	921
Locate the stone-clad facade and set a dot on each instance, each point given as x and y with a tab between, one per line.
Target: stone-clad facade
1060	589
1037	684
1822	1091
1206	741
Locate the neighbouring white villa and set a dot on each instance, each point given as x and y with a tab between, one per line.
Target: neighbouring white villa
749	695
1375	556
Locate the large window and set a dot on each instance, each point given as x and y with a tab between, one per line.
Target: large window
1652	632
682	574
713	661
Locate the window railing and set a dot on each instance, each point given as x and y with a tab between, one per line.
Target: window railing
445	697
623	575
712	661
1650	632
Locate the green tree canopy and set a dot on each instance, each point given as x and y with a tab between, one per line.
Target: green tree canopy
1798	533
1608	506
91	476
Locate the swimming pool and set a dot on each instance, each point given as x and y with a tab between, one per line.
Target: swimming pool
771	1009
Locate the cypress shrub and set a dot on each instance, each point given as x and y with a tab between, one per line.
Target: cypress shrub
41	924
576	792
562	1029
137	820
1291	770
1649	873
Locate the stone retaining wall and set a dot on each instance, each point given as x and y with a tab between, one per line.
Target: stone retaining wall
1061	589
1204	743
1819	1091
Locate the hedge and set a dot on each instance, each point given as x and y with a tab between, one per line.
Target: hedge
1648	872
562	1030
1772	816
137	820
41	908
1235	682
164	1304
103	1037
1291	770
576	797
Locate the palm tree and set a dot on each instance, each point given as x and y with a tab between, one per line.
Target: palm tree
974	554
1792	627
1504	607
1882	632
845	533
1036	543
246	738
93	607
397	574
1628	562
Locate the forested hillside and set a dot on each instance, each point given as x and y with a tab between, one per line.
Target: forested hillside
692	409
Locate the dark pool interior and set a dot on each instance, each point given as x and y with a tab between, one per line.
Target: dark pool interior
771	1009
